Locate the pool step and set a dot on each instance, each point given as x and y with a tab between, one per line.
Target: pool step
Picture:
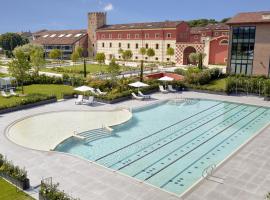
95	134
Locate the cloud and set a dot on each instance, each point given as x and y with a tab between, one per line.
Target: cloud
108	7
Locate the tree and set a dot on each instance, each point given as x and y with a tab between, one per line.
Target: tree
225	20
55	54
201	22
19	67
142	52
151	52
35	55
100	58
113	70
127	55
79	51
75	57
9	41
170	52
197	58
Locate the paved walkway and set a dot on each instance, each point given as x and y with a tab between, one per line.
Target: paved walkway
246	175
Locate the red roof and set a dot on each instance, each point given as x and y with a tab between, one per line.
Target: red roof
250	17
59	37
147	25
212	27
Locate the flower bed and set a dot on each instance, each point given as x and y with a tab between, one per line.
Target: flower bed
14	174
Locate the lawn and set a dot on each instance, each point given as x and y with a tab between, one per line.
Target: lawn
56	90
217	85
78	69
9	192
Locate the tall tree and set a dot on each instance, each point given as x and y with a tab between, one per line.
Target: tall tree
113	70
75	57
170	52
55	54
142	52
127	55
100	58
151	52
19	66
9	41
36	56
197	58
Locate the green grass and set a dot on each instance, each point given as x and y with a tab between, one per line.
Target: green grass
78	69
56	90
217	85
9	192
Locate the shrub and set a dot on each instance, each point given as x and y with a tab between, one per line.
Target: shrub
180	71
51	192
266	90
7	167
201	77
42	79
29	99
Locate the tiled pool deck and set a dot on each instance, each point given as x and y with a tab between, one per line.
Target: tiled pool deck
246	175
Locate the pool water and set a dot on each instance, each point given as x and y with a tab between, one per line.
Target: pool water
170	145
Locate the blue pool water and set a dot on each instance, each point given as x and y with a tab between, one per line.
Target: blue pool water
170	145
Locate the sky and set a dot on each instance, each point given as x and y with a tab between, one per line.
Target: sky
33	15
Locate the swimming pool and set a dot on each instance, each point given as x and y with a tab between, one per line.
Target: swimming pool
169	145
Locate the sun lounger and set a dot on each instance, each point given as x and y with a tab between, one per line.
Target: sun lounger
12	92
100	92
170	88
162	90
144	96
89	100
79	100
136	97
3	94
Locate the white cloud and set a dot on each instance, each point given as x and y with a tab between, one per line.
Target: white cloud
108	7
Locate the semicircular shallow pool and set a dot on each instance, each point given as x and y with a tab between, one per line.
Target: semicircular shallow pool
169	145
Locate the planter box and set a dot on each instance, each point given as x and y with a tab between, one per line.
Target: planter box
24	185
267	98
22	107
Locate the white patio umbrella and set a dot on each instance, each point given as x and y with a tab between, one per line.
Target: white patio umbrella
138	85
84	89
166	79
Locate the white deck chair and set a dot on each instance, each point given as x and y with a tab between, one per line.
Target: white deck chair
143	95
100	92
89	101
136	97
3	94
162	90
170	88
79	100
11	91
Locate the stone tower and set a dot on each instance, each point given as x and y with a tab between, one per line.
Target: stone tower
95	21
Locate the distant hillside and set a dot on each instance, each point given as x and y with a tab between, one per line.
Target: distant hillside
205	22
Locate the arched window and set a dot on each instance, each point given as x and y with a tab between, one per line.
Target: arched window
224	42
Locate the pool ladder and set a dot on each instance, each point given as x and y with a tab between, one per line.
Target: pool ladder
208	174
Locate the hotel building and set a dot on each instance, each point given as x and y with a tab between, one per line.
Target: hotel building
249	49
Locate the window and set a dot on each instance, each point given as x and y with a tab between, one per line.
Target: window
146	35
203	34
168	59
103	44
128	36
119	57
216	33
119	45
137	46
103	36
137	36
157	58
62	35
146	58
168	46
128	46
68	35
242	51
119	36
136	57
110	45
146	46
169	35
157	46
45	36
53	35
157	35
78	35
196	37
224	42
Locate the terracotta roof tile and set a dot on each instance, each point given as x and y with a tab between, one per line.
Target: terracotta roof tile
212	27
59	37
148	25
250	17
